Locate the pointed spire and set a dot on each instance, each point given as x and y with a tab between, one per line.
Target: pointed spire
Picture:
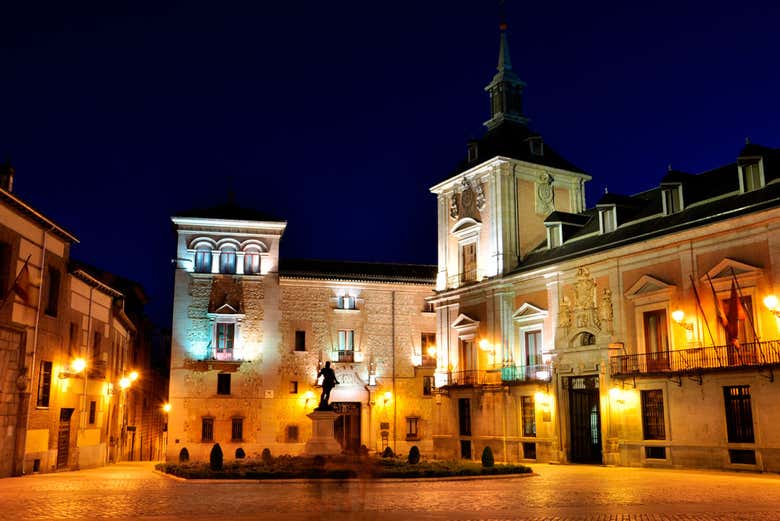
506	89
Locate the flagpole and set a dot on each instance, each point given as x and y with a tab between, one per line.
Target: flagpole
12	289
718	314
703	314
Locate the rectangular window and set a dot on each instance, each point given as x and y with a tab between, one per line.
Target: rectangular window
533	347
464	416
346	339
300	340
607	220
227	261
251	263
529	450
346	302
653	415
203	260
44	384
655	452
656	340
428	346
225	333
293	387
529	416
92	412
555	236
671	199
207	429
427	385
412	425
53	295
291	434
739	416
237	429
223	383
468	255
752	176
5	269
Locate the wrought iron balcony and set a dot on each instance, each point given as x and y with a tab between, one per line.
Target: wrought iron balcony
346	356
697	360
526	373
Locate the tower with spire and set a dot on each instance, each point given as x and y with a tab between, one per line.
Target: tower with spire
506	89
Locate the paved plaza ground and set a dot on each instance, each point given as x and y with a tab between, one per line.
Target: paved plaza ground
557	492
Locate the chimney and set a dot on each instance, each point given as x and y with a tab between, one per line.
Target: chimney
7	176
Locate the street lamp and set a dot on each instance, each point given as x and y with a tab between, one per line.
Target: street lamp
772	304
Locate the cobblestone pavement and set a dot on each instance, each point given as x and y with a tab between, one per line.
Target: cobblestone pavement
557	492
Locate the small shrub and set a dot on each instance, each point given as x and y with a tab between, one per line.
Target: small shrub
414	455
388	453
487	457
184	455
266	456
240	454
215	458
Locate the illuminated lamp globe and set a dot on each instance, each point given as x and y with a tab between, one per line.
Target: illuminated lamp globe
678	315
484	345
78	365
167	407
133	376
771	302
388	395
431	351
124	382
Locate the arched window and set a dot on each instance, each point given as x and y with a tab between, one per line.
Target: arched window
203	259
227	260
252	261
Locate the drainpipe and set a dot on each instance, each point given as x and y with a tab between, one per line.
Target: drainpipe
23	448
395	397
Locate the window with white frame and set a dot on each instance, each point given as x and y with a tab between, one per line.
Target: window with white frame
532	343
225	337
203	259
672	199
607	219
346	339
751	176
554	236
227	260
252	261
346	302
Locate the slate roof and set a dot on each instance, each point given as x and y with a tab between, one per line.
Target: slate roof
363	271
231	211
511	140
708	197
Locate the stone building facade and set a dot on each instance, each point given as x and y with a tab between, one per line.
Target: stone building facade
632	333
54	315
250	334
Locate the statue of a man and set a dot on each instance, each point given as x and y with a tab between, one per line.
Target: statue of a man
328	383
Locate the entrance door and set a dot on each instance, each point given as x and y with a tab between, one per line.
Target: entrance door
585	419
63	438
347	425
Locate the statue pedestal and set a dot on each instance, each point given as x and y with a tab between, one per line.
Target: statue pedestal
323	440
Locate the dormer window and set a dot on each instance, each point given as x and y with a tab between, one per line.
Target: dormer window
472	151
227	260
554	235
536	146
607	219
672	199
751	176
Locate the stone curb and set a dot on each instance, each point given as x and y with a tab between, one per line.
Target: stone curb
348	480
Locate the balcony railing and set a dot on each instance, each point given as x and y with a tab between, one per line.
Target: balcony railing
526	373
753	354
345	356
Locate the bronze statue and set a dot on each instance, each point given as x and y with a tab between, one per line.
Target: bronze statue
328	383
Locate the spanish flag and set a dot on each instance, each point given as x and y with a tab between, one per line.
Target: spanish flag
22	284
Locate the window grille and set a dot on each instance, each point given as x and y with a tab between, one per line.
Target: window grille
653	415
739	416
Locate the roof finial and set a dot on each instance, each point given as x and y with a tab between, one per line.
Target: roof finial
669	167
606	190
747	140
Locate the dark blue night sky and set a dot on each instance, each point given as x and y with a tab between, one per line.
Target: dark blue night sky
338	116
